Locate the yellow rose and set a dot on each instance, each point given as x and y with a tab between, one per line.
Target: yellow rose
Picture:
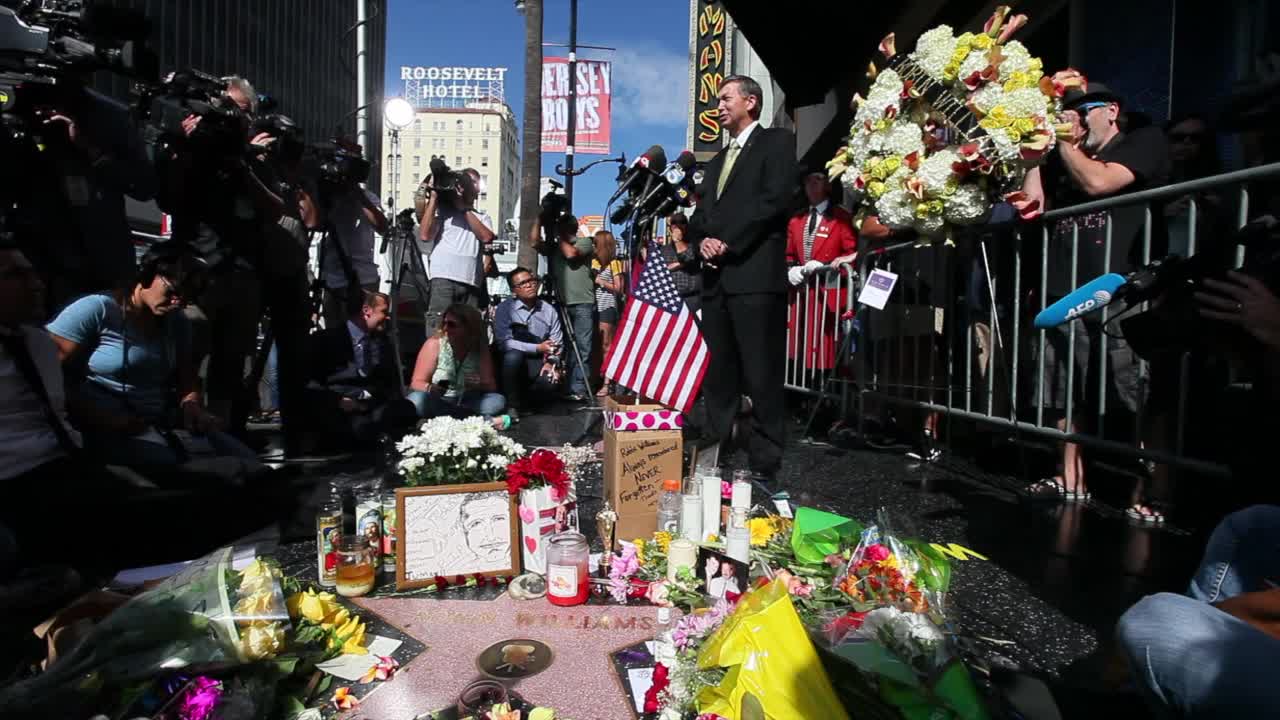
260	643
983	41
892	163
1035	66
312	608
965	39
922	210
875	189
292	604
1013	134
1024	126
252	609
935	207
999	117
542	714
355	645
337	617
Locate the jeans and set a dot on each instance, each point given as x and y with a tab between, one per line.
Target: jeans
446	292
1193	660
583	317
521	380
473	402
271	379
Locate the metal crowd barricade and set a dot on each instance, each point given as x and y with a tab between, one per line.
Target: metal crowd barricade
908	351
819	319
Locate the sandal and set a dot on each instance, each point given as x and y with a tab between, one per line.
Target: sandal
1154	515
1053	489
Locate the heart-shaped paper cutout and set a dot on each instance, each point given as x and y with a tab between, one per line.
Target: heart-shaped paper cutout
527	514
531	543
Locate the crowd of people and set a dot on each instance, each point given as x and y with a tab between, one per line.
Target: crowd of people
101	359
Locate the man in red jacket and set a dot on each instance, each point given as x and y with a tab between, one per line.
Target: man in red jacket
818	236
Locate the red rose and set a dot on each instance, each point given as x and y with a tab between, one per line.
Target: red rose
441	582
660	683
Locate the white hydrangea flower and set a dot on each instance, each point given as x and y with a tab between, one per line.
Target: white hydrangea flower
930	225
1027	102
849	180
988	96
977	61
967	205
903	138
936	170
933	50
411	464
896	209
1016	59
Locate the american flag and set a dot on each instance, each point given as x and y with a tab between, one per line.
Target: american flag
660	352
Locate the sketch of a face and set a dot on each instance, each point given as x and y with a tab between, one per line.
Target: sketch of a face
486	521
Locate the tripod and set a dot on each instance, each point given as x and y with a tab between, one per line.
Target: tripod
407	261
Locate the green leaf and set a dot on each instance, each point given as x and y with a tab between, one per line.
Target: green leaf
286	665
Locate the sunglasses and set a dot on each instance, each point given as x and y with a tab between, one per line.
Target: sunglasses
527	282
1087	108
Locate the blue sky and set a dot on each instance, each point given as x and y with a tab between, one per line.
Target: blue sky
650	65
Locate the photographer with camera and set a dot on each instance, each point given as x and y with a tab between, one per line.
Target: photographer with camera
352	216
573	287
460	235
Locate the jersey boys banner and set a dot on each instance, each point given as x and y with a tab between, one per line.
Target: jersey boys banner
594	92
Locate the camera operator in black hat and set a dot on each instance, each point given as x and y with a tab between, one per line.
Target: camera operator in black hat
1096	162
460	234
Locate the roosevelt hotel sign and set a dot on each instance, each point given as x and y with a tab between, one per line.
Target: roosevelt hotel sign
452	86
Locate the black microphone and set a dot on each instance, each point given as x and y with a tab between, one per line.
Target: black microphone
672	178
645	165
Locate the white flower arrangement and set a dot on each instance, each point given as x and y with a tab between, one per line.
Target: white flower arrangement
912	637
902	164
446	450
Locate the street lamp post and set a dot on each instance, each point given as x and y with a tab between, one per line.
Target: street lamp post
398	114
571	133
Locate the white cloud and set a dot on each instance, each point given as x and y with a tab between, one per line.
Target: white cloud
650	87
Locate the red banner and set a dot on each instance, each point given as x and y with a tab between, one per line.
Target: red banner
594	80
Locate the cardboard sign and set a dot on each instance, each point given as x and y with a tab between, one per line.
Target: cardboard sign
635	464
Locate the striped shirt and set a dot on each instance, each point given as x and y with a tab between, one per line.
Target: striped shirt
606	299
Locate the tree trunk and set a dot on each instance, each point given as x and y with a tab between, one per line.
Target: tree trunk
531	144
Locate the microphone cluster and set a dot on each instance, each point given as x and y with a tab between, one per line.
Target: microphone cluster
650	193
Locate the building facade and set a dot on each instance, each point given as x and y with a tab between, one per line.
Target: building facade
481	136
300	52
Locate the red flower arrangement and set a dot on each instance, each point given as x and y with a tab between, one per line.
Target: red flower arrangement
542	468
660	683
876	581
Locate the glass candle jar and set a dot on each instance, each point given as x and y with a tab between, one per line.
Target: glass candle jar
355	567
567	574
480	696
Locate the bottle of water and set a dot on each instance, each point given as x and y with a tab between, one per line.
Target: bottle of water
669	506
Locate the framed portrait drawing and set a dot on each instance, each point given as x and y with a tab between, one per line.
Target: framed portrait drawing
455	530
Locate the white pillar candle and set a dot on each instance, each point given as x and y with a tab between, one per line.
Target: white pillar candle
710	505
682	553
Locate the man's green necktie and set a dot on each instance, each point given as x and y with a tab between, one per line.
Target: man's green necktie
729	159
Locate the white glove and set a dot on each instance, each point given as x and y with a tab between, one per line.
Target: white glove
812	265
795	275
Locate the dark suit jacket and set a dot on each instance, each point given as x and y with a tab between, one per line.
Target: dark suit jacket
331	350
751	218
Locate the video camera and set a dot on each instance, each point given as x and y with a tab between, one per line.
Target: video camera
552	207
1174	324
46	37
224	127
337	168
45	46
448	183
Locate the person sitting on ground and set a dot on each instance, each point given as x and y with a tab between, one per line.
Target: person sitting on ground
43	466
353	395
1208	654
138	403
454	372
529	337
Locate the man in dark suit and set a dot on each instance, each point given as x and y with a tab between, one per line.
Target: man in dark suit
740	230
353	394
